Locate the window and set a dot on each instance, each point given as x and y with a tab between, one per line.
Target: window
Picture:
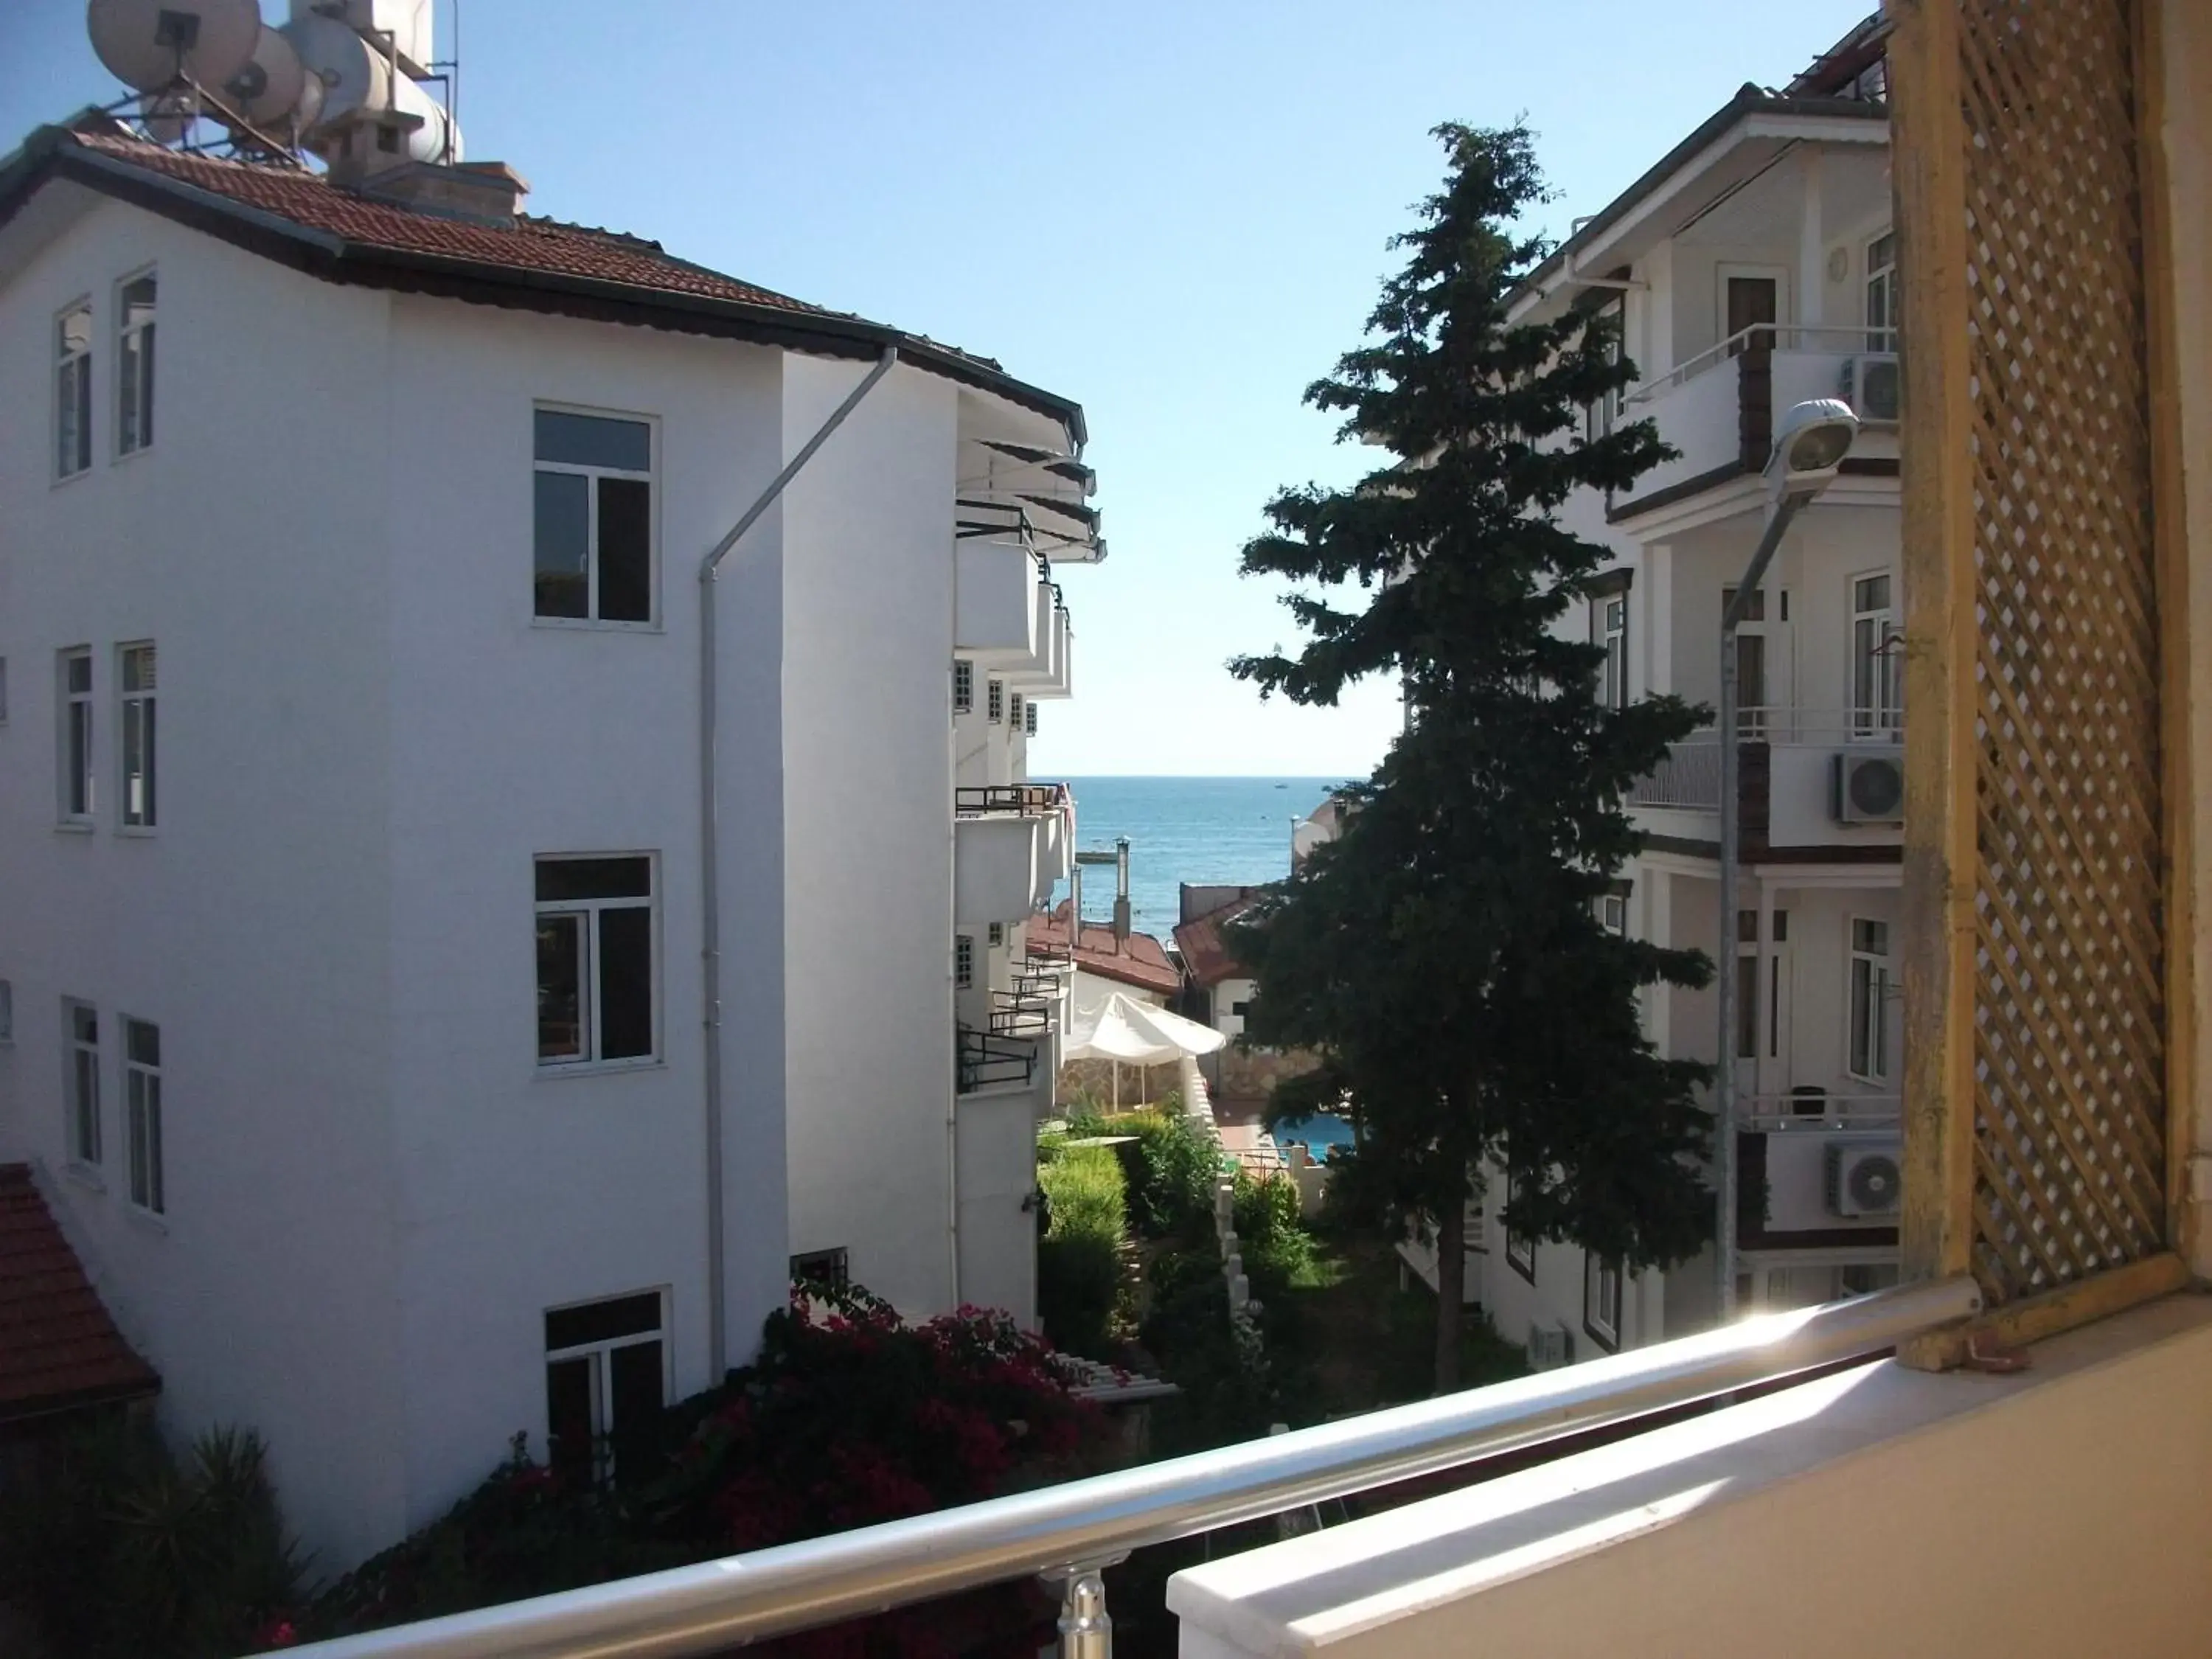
827	1270
1612	915
1520	1247
1241	1009
964	961
995	702
1028	718
1751	706
81	1021
995	934
135	727
142	1101
595	960
1870	994
1750	301
606	1380
1602	1287
1611	629
1877	687
1747	984
7	1013
73	391
1600	417
134	366
1884	313
75	743
1014	711
963	686
593	521
3	690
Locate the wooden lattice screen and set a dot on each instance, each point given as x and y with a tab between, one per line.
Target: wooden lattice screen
2037	975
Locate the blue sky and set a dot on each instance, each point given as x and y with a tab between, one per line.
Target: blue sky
1175	213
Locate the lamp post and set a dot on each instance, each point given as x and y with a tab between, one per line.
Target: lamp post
1808	450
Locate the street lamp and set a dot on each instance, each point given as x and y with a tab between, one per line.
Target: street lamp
1809	451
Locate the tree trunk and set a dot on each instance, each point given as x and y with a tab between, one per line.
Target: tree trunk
1451	1291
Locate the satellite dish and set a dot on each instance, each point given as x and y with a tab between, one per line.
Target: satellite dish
275	88
147	43
166	120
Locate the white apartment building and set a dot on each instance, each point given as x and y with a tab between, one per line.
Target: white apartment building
1753	267
355	1025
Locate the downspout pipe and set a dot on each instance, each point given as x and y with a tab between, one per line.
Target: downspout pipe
710	860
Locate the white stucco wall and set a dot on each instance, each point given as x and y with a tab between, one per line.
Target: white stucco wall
867	822
253	926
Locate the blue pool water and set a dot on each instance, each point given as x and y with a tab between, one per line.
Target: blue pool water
1322	1132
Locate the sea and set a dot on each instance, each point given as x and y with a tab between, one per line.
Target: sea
1202	830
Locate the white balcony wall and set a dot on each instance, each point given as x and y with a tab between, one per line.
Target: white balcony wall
995	865
2058	1511
1698	418
996	1138
995	617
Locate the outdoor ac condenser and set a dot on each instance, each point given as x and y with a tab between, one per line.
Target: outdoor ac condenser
1872	386
1864	1179
1550	1346
1867	785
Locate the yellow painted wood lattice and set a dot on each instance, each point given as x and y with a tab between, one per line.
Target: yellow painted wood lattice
2068	971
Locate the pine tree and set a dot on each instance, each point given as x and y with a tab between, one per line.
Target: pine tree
1444	955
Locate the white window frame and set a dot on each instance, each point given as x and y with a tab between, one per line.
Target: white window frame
1015	703
1881	337
136	341
1601	1323
1520	1247
1883	720
1609	624
144	1183
964	962
652	622
73	371
994	702
589	911
1029	717
1785	312
1613	914
76	775
600	1354
135	722
81	1061
1866	1011
964	685
995	934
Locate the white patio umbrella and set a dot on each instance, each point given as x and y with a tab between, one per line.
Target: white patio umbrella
1124	1028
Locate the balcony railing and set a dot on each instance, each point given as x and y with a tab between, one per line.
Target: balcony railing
1020	799
1069	1533
1688	774
1828	340
1018	1013
987	1059
1809	1108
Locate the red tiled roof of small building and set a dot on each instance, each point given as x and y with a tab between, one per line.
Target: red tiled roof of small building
58	1348
1206	955
1140	960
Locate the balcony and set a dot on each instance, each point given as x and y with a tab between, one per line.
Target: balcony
1000	600
1048	680
1718	408
1009	845
1804	778
989	1061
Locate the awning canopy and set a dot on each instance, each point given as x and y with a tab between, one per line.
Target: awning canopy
1124	1028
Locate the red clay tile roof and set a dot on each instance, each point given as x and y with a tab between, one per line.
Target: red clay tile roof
302	219
307	199
57	1346
1206	955
1139	960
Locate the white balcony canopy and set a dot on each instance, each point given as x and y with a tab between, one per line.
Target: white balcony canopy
1124	1028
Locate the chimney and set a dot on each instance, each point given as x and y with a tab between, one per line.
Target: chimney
1121	889
487	192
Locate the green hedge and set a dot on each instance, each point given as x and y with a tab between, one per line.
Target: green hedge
1171	1169
1271	1235
1079	1257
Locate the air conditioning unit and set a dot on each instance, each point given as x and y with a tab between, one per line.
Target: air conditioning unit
1864	1177
1867	785
1874	386
1550	1346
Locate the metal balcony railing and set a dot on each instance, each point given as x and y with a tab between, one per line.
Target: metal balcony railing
1829	340
1688	774
1023	800
1809	1108
1069	1534
986	1057
1019	1014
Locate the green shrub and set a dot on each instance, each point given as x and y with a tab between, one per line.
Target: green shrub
1079	1257
116	1545
1170	1170
1271	1235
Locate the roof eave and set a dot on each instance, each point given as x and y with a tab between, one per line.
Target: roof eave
49	152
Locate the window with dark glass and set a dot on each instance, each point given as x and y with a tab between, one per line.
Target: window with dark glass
141	1102
73	391
134	366
1601	1300
592	518
83	1022
606	1377
1870	992
827	1270
595	960
74	740
135	734
1520	1247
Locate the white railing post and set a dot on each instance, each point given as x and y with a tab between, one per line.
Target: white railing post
1086	1631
